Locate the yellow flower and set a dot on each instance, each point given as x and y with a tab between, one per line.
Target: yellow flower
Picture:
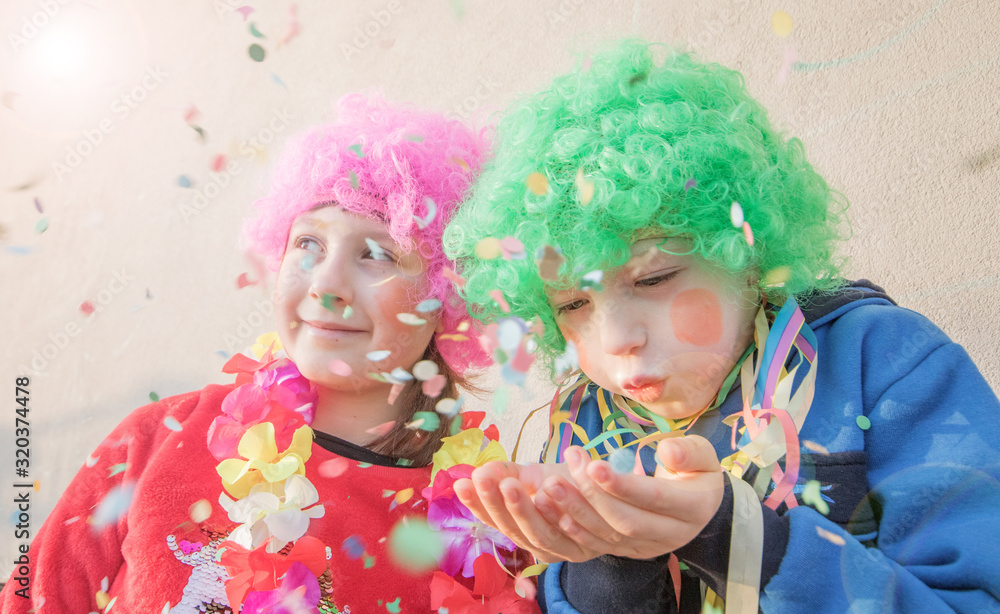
264	463
468	447
265	341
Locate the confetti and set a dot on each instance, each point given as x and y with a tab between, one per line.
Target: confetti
790	57
447	407
459	162
815	447
41	225
415	138
425	370
278	80
200	511
377	355
537	183
91	460
500	400
256	52
154	397
171	423
811	496
864	423
381	429
219	163
453	277
255	32
353	177
512	248
358	151
377	252
113	506
341	368
833	538
393	606
87	308
691	183
425	421
622	460
191	114
434	385
184	181
245	11
510	331
293	25
308	262
777	277
463	326
410	319
102	598
116	469
428	305
400	374
497	296
736	214
242	281
585	188
348	311
781	23
431	213
353	547
413	545
38	205
334	467
592	280
200	131
488	249
549	260
748	233
327	300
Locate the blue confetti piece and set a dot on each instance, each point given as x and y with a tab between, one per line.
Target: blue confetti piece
278	80
18	250
428	305
183	181
113	506
622	460
353	547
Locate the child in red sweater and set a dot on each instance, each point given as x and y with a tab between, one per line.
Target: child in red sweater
307	486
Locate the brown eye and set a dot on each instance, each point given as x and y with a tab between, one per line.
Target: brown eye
577	304
656	279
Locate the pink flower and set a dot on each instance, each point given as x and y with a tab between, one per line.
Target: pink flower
289	388
465	536
247	406
298	594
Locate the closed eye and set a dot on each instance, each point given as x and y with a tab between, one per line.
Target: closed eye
657	279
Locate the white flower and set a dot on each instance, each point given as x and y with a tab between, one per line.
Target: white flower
273	510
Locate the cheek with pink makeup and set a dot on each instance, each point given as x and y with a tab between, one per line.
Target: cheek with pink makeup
696	317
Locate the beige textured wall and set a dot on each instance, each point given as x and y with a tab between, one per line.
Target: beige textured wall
896	103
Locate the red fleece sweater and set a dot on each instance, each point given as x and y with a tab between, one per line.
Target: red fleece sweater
170	471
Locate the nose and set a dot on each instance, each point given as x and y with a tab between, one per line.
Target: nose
332	280
621	331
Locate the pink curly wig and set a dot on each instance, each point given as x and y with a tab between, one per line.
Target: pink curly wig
382	161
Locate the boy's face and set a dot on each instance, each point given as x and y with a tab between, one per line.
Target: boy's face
665	330
328	266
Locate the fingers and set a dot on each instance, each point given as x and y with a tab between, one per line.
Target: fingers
687	455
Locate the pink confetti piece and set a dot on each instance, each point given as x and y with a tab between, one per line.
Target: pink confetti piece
394	393
748	233
191	114
334	467
242	281
38	205
341	368
815	447
833	538
512	248
245	11
219	163
453	277
293	25
433	386
497	296
381	429
691	183
87	308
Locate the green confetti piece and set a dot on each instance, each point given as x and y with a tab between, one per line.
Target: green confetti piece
41	225
348	311
413	545
116	469
500	400
154	397
456	426
364	465
327	300
430	418
404	462
369	561
256	32
200	131
416	138
356	148
811	496
393	606
256	52
864	423
354	179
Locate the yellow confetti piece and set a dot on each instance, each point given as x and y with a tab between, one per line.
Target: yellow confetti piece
411	319
37	485
463	326
777	277
815	447
537	183
488	249
102	599
781	23
811	495
833	538
403	496
384	281
584	187
200	511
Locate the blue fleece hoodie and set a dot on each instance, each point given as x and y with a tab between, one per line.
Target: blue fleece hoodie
915	497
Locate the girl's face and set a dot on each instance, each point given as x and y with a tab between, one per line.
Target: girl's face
665	331
341	285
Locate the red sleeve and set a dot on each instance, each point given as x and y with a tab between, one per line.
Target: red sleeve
69	557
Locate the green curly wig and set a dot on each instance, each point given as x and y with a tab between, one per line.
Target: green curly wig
667	146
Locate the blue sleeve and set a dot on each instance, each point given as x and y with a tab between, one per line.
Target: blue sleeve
933	452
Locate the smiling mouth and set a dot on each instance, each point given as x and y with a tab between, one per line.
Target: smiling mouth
330	331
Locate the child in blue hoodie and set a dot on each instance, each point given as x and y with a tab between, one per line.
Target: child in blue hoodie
746	429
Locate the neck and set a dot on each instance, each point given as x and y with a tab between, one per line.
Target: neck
349	415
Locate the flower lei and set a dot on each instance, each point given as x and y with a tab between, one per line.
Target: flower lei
263	440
